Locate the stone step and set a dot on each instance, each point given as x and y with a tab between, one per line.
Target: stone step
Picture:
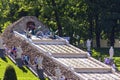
98	76
84	65
49	41
63	51
69	55
92	70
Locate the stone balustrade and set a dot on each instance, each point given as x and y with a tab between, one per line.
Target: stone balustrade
99	76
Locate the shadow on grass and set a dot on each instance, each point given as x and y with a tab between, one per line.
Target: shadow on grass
28	68
23	69
4	59
10	73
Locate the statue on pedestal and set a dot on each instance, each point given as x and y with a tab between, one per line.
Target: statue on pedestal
19	52
1	43
58	73
28	33
88	44
111	52
2	49
19	56
40	69
40	60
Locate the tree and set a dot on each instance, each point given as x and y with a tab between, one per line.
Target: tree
57	18
94	11
10	73
110	20
78	19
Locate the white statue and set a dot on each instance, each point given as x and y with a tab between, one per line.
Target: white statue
28	33
19	52
1	43
88	44
40	60
58	73
111	52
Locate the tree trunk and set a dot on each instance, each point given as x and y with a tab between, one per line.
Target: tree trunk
97	32
90	34
90	27
57	18
98	39
112	35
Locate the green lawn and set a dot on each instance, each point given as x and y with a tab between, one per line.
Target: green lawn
22	74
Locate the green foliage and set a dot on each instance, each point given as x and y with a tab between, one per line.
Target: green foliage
6	24
10	73
83	18
95	54
117	62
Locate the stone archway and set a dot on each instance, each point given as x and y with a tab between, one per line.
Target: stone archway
30	26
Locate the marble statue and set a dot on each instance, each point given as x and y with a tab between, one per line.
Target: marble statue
111	52
1	43
2	49
40	60
88	44
28	33
19	52
58	73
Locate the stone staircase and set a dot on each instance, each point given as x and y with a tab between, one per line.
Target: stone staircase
74	63
86	67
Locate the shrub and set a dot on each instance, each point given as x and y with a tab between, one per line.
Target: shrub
95	54
10	73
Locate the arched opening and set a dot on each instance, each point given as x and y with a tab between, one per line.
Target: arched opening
30	26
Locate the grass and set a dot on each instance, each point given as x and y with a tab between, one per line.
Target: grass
21	73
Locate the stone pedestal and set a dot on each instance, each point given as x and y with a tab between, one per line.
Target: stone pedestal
40	74
90	53
2	53
19	62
